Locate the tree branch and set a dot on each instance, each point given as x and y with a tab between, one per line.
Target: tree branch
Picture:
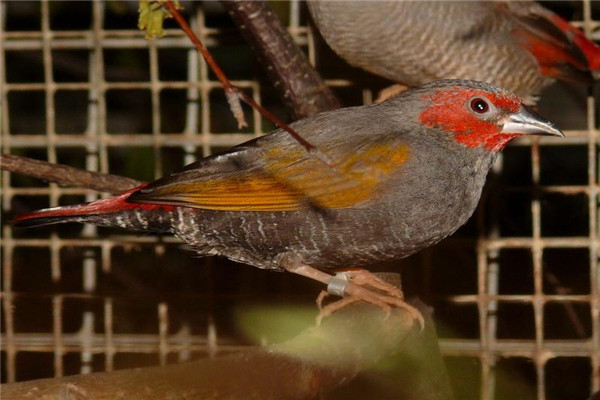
316	361
298	83
65	175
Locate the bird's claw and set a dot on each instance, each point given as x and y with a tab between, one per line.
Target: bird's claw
386	302
335	306
320	299
365	278
358	287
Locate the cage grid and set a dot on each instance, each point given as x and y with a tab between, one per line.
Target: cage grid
34	123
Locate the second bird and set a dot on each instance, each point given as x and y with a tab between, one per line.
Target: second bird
517	45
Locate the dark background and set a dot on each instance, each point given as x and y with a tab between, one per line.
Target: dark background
212	291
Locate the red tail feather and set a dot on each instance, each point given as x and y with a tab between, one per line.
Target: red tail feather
98	207
590	49
562	51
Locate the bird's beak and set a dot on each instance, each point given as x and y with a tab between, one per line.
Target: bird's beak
527	122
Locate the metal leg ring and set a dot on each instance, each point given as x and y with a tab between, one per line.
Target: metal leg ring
337	285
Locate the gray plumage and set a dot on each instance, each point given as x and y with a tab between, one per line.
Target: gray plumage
422	200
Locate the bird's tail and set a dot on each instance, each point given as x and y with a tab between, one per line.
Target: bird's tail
562	50
114	211
590	50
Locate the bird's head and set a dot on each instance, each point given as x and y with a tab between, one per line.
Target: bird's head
479	114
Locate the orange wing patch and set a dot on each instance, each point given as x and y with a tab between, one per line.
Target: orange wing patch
244	193
292	180
347	184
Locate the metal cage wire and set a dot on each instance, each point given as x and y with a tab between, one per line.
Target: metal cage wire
96	142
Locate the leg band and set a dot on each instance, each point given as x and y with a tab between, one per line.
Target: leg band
337	285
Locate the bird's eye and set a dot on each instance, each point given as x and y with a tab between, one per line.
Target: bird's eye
479	105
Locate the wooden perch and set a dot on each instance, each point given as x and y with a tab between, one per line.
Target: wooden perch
298	83
317	360
320	358
66	176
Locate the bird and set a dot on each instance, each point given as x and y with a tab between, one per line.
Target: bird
399	177
520	46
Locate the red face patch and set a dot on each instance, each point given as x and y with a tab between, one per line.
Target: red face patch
449	112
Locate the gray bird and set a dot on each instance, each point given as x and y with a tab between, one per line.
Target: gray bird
404	174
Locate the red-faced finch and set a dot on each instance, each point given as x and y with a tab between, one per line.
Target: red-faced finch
405	174
517	45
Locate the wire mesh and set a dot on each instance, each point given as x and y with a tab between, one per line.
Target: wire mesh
516	292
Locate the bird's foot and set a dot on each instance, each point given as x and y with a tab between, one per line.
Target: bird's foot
353	292
336	306
352	286
357	285
361	277
322	296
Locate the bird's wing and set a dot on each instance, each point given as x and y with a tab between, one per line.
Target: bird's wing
561	50
269	177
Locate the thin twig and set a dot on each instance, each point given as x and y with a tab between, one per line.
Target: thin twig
65	175
576	322
231	89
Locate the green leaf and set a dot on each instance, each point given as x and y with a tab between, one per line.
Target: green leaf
152	15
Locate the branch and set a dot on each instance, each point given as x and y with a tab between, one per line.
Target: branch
233	93
65	175
318	360
298	83
230	90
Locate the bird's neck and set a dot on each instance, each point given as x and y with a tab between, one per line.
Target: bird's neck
490	142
